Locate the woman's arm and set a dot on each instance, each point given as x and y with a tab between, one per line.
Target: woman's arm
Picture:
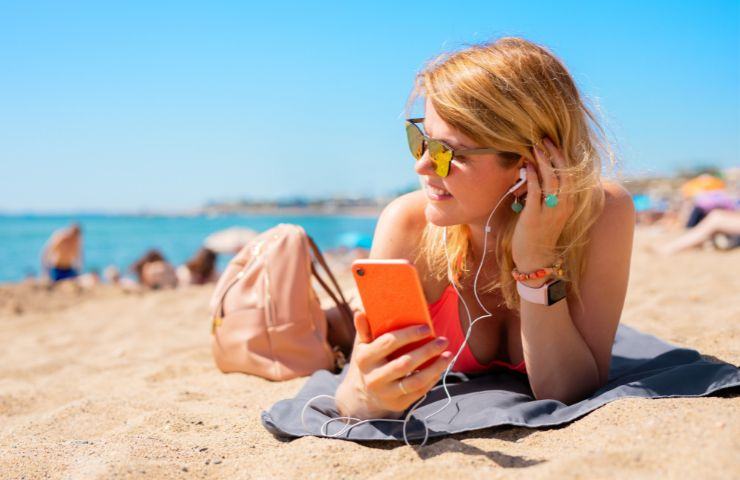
399	225
567	349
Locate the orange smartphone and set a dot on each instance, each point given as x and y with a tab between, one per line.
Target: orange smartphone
393	298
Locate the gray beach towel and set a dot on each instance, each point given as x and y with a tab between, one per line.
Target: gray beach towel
642	366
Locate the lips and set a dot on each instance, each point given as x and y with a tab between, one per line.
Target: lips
437	190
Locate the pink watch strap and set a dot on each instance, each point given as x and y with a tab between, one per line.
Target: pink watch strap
534	295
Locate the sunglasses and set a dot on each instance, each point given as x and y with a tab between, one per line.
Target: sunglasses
440	153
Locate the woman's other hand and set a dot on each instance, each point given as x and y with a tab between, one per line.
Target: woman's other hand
539	226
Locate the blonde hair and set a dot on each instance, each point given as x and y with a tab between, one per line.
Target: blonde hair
508	95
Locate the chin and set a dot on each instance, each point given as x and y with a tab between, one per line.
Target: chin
440	218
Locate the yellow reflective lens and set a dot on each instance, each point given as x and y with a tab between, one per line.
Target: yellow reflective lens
439	153
441	157
416	140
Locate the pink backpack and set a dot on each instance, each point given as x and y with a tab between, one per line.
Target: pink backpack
267	318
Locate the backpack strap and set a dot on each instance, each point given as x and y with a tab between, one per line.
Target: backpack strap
343	306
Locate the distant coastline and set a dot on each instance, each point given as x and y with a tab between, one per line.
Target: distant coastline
334	206
312	210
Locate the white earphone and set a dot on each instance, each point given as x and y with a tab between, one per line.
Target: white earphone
521	181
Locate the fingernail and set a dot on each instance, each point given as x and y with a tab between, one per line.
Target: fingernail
423	330
446	355
441	341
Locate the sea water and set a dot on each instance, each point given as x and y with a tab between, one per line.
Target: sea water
121	239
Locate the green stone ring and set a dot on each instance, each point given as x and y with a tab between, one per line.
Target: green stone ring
551	200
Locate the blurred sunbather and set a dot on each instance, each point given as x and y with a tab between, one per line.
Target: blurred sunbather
154	271
62	255
706	202
200	269
112	275
720	226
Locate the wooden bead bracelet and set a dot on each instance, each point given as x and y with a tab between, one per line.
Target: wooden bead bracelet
556	269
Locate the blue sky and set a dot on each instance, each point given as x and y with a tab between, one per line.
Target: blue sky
166	105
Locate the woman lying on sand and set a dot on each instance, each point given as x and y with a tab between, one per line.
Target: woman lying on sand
199	270
722	227
154	271
491	110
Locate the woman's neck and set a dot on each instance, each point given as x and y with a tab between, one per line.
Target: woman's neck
478	239
489	271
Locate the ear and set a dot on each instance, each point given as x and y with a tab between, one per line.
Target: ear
522	162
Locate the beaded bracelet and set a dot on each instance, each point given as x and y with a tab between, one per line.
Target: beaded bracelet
557	269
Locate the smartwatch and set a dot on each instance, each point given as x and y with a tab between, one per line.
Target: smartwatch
549	293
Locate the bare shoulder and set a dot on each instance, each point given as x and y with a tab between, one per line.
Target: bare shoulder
399	227
615	191
618	202
616	223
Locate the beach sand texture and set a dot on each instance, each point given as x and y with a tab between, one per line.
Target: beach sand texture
103	384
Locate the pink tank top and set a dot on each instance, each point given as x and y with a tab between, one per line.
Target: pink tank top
446	321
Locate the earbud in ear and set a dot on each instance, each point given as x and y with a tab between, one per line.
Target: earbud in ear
522	179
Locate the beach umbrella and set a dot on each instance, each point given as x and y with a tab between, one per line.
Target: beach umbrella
229	240
702	183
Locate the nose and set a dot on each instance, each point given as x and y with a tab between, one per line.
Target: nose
424	165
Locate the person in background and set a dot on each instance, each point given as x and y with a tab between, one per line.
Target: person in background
89	280
720	226
706	202
199	270
112	275
154	271
705	216
61	257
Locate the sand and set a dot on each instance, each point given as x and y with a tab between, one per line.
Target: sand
105	384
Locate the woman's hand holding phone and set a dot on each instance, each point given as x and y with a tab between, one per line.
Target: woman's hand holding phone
371	387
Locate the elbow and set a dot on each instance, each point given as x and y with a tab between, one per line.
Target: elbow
572	386
566	393
566	397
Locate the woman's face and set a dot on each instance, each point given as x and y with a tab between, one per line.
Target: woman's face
474	184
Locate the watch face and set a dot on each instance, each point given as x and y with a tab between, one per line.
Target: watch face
555	292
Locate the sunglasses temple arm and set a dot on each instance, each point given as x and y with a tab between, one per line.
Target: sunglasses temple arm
474	151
